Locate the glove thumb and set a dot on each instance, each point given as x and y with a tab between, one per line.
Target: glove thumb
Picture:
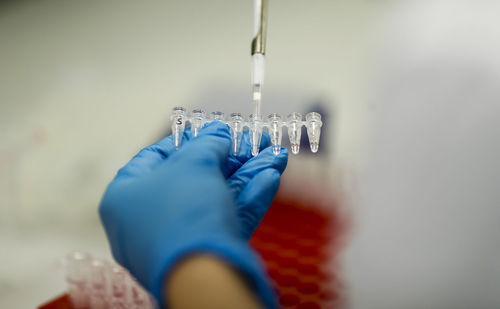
210	148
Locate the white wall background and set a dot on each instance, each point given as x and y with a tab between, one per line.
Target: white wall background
427	222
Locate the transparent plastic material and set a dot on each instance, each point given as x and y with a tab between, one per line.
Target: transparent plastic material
255	131
313	124
178	125
77	277
273	125
294	122
236	125
96	283
198	118
118	284
275	132
257	99
217	116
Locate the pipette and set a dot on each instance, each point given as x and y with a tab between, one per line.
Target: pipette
255	124
258	50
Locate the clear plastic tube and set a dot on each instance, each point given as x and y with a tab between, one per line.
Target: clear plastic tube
275	132
294	123
313	124
118	287
255	133
98	284
236	125
217	116
273	124
77	277
197	121
178	125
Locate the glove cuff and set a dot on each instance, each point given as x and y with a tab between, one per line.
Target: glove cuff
235	252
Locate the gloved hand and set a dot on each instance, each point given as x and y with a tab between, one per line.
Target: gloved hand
166	204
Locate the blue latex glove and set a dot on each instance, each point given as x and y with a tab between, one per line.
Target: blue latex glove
166	204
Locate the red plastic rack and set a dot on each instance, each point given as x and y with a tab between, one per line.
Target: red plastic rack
299	245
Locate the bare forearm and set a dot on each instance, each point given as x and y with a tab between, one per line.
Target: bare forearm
203	281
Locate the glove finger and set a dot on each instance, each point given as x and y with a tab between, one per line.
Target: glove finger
264	142
266	159
255	199
209	149
150	157
245	153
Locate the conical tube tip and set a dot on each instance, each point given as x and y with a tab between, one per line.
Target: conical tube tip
313	123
